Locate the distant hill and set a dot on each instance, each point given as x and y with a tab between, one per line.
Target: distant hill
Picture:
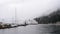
51	18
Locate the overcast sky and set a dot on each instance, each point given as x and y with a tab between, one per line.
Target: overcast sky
26	9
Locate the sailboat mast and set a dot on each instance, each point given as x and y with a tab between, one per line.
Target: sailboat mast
15	16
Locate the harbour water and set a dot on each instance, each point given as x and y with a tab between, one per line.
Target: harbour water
33	29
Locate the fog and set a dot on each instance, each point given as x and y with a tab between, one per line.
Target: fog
26	9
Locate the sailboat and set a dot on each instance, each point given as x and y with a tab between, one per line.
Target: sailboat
15	21
12	25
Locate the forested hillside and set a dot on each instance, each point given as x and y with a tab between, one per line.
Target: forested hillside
51	18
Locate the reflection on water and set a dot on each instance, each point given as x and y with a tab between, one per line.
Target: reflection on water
33	29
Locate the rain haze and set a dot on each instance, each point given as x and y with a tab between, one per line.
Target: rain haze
26	9
21	10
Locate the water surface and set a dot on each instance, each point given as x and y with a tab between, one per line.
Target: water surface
33	29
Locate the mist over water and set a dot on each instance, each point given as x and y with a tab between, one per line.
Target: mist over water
26	9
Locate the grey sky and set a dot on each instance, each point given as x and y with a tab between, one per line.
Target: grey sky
26	9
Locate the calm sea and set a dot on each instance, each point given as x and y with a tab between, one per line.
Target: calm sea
33	29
